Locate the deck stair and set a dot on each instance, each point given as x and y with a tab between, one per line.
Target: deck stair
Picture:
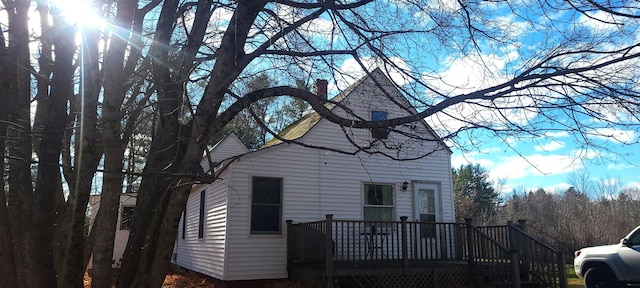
539	264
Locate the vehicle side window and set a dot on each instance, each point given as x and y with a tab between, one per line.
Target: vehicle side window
634	239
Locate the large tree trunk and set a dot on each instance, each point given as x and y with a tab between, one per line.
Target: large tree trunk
167	229
163	150
114	90
8	273
88	151
16	95
154	191
48	190
149	250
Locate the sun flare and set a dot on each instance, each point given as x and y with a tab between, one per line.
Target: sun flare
78	12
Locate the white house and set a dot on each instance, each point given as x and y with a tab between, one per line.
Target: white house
234	229
125	215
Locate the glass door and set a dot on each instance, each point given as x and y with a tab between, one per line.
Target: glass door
426	211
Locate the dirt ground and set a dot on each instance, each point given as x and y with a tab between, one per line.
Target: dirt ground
174	280
179	278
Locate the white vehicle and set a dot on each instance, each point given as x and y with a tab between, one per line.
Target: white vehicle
610	265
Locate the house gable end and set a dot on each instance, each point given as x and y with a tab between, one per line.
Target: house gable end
377	84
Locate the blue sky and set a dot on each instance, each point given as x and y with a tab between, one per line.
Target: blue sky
549	163
526	163
523	163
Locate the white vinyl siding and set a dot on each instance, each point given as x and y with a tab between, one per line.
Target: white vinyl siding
205	255
122	235
319	183
266	205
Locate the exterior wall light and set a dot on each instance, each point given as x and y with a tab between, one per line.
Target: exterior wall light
405	185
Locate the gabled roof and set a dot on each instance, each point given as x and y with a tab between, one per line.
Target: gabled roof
231	137
296	129
299	128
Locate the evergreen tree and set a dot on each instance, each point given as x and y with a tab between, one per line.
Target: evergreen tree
474	195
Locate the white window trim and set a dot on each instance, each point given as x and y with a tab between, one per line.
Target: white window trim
280	231
393	199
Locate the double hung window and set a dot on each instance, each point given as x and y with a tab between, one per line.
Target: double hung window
378	202
266	206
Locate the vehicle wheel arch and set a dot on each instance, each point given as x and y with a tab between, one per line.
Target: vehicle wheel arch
596	264
603	271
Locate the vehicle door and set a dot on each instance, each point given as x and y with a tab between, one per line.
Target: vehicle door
630	256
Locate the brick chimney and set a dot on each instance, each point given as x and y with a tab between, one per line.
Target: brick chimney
320	88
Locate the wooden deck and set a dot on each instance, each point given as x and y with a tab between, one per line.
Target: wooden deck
416	254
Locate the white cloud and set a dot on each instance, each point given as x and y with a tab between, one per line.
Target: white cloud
619	166
468	75
633	184
612	182
558	187
517	167
471	158
448	5
617	135
490	150
599	21
551	146
515	170
320	27
351	71
221	15
558	134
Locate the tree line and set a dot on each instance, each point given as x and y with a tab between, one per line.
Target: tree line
568	220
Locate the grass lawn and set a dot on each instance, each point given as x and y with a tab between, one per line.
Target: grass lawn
572	278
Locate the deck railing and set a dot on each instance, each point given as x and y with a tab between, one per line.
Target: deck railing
492	257
539	262
373	241
542	263
506	254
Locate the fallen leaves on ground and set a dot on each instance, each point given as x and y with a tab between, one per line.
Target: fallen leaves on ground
179	278
186	280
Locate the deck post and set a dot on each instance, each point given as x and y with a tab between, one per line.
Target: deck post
511	236
328	250
525	249
523	225
562	271
470	253
515	268
405	253
290	244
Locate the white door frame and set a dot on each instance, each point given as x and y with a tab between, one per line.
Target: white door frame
427	247
416	185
